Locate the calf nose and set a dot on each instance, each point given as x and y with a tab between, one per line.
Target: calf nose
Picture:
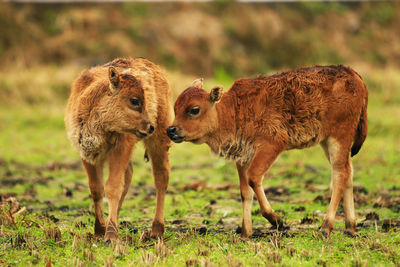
151	129
171	130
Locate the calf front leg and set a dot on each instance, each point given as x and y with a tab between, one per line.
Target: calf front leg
96	185
263	158
118	162
158	153
247	195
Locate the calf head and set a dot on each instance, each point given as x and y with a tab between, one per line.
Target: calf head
195	114
124	109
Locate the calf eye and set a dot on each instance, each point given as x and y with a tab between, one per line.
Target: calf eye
194	111
135	101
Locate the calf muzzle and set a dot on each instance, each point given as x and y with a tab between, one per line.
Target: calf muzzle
148	131
173	134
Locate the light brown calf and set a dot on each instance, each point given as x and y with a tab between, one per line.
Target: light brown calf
111	107
259	118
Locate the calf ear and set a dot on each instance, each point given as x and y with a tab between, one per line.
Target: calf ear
198	83
216	94
114	79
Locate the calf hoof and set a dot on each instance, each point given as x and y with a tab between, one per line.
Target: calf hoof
99	229
325	233
350	229
326	229
157	229
245	234
111	233
274	219
350	233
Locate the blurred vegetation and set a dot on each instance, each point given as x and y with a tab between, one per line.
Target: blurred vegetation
203	39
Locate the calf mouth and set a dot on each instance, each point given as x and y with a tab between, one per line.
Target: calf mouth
140	134
177	138
194	141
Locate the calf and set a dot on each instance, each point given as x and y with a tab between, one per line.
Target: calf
110	109
259	118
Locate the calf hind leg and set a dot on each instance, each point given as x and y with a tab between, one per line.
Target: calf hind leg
342	185
348	199
128	180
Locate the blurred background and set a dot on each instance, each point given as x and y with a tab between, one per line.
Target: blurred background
223	41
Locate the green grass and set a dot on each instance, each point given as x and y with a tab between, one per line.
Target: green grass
38	167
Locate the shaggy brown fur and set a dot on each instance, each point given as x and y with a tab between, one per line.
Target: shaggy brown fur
259	118
111	107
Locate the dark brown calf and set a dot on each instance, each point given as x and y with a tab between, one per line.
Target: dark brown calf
259	118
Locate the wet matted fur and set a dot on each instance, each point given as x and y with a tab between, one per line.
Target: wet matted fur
110	108
259	118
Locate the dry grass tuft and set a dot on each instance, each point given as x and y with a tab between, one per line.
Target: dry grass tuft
145	236
10	209
203	252
120	249
109	262
234	262
257	247
161	249
206	263
192	262
148	258
78	263
275	256
88	254
76	242
19	240
291	251
276	240
53	234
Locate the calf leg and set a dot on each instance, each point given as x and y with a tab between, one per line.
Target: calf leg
341	182
118	162
158	153
348	199
95	174
127	183
263	159
247	195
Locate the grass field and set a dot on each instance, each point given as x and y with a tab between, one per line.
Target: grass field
203	208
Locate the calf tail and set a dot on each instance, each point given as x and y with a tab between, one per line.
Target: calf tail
361	132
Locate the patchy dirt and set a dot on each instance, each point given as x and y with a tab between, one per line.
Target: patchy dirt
372	216
276	191
9	166
389	224
201	185
299	209
309	219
